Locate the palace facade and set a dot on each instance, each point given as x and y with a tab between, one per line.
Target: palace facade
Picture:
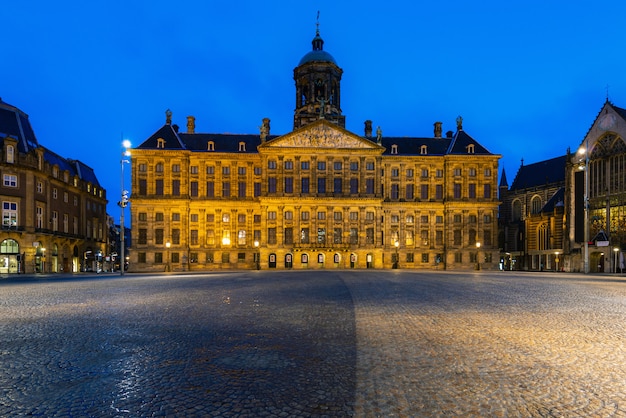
53	208
319	197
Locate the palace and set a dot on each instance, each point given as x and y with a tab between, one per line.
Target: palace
319	197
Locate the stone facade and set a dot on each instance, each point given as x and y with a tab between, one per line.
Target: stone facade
319	197
53	209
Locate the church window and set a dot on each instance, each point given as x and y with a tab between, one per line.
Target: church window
535	204
517	210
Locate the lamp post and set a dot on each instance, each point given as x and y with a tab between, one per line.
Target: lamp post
168	245
123	202
585	151
556	260
257	255
478	256
397	263
615	253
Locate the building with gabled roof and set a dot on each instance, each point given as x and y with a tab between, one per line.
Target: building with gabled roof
596	174
53	208
320	196
532	216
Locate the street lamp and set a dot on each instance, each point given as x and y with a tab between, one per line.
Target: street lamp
168	245
615	253
556	260
397	245
478	256
257	255
123	201
585	151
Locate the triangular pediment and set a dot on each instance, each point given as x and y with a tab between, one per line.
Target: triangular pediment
321	134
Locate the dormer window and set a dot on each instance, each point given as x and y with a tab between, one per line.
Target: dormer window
394	149
470	149
242	147
55	172
160	143
211	146
423	150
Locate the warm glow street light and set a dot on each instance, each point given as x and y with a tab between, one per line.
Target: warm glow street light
123	201
615	253
478	256
584	151
257	255
168	245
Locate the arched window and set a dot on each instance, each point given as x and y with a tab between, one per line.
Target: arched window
9	246
535	205
394	149
423	150
516	210
470	149
242	147
211	146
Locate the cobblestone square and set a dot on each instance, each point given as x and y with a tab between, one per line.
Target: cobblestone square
324	343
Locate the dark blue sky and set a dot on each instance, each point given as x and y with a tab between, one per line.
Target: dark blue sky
527	77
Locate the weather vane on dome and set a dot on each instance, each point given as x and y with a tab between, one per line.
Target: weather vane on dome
317	24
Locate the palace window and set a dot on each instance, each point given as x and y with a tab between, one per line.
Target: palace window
241	189
10	180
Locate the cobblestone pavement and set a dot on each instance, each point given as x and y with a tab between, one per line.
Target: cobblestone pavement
342	343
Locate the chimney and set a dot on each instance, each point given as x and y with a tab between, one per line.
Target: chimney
191	125
437	129
368	128
449	134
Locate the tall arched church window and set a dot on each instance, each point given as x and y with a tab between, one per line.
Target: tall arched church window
516	210
535	205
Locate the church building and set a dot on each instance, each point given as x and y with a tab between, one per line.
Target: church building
318	197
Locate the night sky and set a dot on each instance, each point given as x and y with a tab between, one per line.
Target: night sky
528	77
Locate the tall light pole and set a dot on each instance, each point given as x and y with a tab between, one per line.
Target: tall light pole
123	202
478	256
257	255
167	245
585	151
